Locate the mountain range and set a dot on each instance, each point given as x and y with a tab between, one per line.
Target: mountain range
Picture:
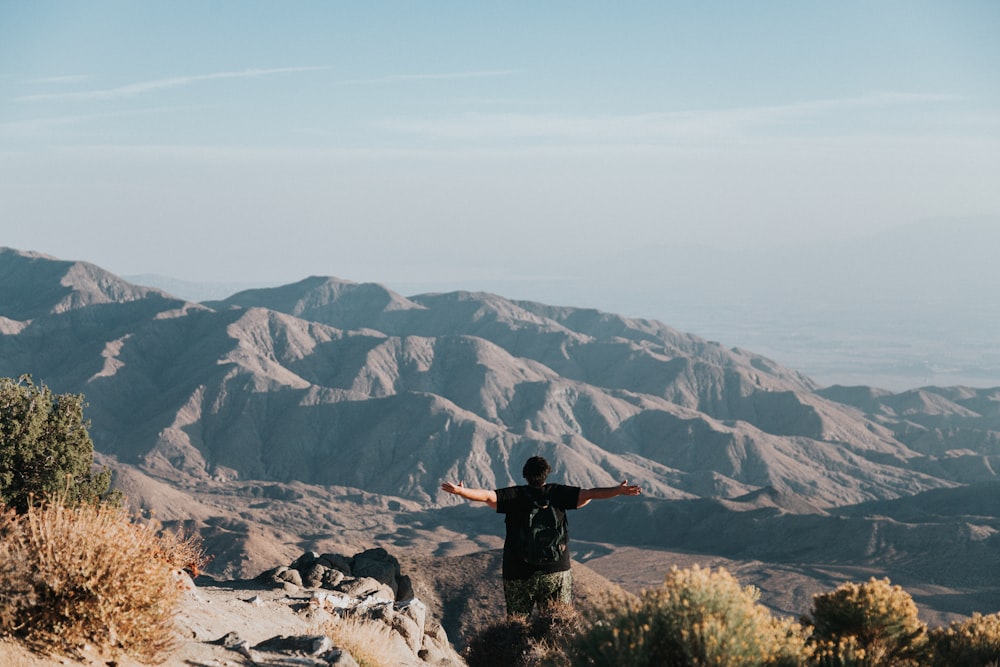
330	411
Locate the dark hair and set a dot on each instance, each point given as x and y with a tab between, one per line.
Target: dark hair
536	469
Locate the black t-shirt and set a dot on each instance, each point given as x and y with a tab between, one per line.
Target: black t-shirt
515	503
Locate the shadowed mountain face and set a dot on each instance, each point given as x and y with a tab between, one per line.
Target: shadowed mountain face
330	382
342	385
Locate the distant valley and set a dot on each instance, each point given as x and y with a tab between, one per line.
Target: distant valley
326	412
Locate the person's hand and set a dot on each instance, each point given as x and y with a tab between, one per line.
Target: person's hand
453	488
626	489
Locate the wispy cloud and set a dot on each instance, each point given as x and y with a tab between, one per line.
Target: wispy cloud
655	125
65	79
397	78
875	100
37	126
143	87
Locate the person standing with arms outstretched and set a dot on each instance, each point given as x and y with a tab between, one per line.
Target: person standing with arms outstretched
536	562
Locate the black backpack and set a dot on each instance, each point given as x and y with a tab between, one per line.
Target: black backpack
543	535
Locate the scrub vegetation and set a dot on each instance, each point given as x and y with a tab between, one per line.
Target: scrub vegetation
705	618
75	568
90	575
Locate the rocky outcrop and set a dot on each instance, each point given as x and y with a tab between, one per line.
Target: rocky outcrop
373	573
366	589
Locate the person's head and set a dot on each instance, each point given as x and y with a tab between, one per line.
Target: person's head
536	469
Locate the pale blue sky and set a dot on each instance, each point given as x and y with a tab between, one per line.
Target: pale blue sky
464	141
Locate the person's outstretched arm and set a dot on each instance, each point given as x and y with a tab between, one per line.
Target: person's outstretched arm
487	496
623	489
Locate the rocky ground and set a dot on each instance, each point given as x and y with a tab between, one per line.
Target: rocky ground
270	621
210	613
238	623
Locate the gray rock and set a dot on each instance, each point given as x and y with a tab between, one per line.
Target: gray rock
437	650
332	578
404	588
378	564
374	589
416	611
362	587
313	575
305	560
290	576
408	629
271	577
337	562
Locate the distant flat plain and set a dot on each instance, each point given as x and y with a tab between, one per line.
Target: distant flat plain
890	345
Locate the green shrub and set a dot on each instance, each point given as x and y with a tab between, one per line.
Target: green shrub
697	618
88	575
873	624
45	449
974	642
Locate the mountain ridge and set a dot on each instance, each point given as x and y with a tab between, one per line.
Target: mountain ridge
325	385
504	373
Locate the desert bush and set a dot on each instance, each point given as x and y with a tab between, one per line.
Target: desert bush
506	643
526	641
872	624
841	652
698	617
974	642
71	576
45	449
368	642
553	628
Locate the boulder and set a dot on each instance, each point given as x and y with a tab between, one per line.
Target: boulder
404	588
365	587
437	649
332	578
411	632
337	562
305	560
290	576
313	575
368	585
378	564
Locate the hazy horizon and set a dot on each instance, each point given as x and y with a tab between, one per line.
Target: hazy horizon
253	141
917	306
470	145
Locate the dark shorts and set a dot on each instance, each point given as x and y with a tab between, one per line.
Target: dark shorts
542	589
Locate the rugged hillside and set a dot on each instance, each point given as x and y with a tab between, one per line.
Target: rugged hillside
335	383
36	285
364	400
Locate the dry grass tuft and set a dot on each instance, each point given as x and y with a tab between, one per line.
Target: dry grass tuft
70	577
368	642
